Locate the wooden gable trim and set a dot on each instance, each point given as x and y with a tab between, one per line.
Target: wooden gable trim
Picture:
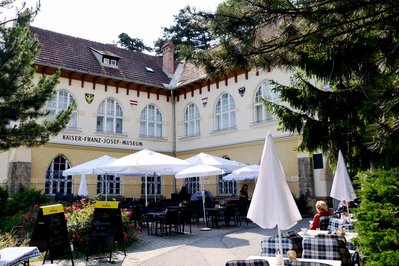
82	80
70	78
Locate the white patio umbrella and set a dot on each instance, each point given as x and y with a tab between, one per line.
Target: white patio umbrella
342	188
87	168
272	203
145	162
200	171
207	159
248	172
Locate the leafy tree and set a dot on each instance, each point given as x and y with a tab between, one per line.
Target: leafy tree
21	100
348	47
190	31
134	44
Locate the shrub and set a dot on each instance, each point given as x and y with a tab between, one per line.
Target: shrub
79	217
378	217
24	200
3	200
303	203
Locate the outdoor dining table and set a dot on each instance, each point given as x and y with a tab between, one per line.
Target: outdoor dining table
16	255
312	233
272	260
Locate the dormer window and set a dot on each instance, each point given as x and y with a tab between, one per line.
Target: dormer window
106	58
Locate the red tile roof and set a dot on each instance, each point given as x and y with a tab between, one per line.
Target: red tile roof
71	53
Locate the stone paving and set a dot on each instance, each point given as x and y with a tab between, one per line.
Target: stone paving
203	248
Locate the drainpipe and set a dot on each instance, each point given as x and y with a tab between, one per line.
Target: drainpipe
172	85
173	133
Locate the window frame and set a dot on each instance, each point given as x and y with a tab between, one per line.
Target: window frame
60	102
113	182
265	90
63	184
191	121
115	116
151	122
225	113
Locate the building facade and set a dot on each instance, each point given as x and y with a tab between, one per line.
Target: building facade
127	101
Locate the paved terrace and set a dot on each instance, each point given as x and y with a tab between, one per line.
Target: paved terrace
203	248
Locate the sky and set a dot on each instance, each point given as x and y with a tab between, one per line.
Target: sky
104	20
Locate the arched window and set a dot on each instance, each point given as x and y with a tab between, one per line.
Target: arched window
109	117
109	185
191	121
151	122
225	113
55	182
61	100
265	91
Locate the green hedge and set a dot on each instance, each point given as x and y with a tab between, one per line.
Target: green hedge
378	217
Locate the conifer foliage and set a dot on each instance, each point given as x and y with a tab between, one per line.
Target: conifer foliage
344	56
23	100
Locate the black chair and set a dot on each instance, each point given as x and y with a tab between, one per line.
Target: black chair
167	221
59	196
231	213
185	218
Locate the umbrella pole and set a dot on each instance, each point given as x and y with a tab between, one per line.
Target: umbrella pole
106	187
145	189
280	245
206	228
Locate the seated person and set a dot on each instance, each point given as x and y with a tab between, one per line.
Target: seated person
322	210
342	209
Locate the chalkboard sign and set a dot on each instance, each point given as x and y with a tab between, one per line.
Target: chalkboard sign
50	233
106	227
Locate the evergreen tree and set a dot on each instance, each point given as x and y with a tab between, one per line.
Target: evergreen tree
190	32
134	44
22	101
349	47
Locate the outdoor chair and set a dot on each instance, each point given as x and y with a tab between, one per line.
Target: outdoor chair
350	251
334	223
324	221
304	263
296	241
270	246
185	218
231	213
166	222
326	249
253	262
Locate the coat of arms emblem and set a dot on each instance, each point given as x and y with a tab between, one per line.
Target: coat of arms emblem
89	97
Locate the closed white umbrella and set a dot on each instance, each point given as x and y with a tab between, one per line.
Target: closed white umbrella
200	171
272	203
83	187
342	188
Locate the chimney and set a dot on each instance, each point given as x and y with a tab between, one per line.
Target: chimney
168	59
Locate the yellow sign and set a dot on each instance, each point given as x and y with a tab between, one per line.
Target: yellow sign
107	204
52	209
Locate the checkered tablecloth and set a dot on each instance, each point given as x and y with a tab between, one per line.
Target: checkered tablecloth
15	255
270	246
